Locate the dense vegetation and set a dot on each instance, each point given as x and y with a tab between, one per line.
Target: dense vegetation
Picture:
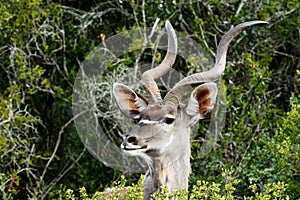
43	43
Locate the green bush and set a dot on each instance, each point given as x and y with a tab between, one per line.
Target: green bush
201	190
275	155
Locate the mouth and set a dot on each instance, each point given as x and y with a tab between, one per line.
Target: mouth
132	147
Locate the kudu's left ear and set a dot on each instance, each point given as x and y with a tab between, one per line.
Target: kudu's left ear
128	101
202	101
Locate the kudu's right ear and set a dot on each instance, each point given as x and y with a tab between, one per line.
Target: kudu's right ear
128	101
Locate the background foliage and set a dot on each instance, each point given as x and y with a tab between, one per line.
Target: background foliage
43	43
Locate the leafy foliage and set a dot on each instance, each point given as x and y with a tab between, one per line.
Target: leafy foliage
201	190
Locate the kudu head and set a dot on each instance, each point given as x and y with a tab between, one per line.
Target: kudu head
162	127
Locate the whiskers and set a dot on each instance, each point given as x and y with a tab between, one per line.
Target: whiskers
141	154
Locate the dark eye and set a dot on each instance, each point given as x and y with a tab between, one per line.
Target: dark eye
169	120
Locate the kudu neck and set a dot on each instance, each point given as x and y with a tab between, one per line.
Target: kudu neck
172	168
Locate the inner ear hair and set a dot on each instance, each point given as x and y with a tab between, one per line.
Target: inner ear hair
202	96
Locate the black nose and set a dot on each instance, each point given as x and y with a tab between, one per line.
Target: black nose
131	139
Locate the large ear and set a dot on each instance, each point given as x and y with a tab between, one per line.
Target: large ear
128	101
202	101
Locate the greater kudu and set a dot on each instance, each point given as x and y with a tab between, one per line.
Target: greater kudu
162	133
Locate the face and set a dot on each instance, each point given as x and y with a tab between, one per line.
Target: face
155	128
